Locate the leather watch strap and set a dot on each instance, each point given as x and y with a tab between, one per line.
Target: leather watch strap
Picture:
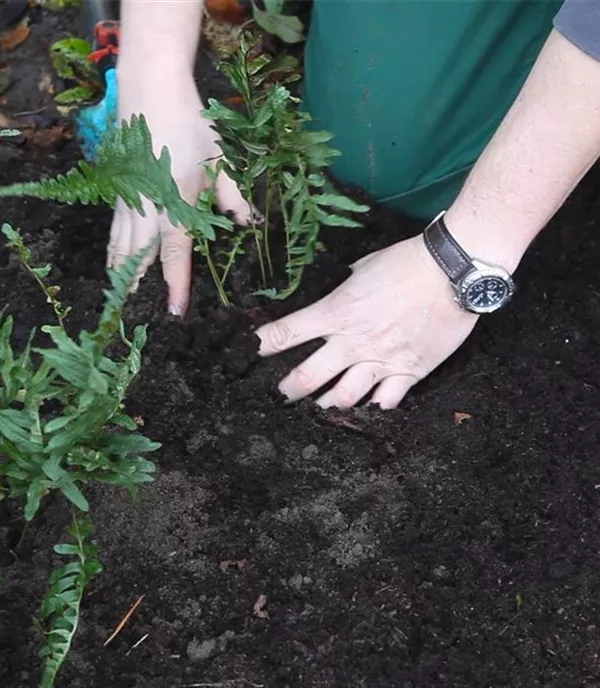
446	251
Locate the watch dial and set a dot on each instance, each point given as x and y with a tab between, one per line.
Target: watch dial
487	293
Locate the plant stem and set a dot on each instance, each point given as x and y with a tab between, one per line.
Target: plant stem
215	275
230	262
268	199
256	232
286	223
263	273
13	551
59	312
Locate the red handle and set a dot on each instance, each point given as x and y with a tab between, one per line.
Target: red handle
106	40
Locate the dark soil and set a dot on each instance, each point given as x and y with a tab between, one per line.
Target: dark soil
392	548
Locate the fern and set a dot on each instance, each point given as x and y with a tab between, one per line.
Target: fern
40	273
126	168
272	139
62	603
86	436
62	426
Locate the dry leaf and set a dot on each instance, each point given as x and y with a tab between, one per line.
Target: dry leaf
13	37
232	563
460	417
48	138
259	607
45	84
230	11
6	122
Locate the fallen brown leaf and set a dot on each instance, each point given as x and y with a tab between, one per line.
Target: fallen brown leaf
37	129
259	607
460	417
13	37
232	563
48	138
230	11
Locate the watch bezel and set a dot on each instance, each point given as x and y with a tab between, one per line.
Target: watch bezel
482	271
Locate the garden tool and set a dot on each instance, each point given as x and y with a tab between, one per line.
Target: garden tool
93	122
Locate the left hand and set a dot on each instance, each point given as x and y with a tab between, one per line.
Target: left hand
387	326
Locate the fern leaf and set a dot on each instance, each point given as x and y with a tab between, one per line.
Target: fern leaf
122	280
126	168
61	606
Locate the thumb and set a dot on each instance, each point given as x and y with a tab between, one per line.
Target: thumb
176	259
230	200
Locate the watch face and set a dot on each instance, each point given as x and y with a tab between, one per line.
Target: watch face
487	294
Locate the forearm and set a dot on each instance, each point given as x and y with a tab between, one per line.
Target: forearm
545	145
160	36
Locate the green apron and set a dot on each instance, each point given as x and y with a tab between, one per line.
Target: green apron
414	89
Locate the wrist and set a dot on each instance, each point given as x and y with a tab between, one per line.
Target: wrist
488	238
137	70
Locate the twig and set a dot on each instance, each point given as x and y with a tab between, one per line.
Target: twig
124	620
24	113
139	642
224	684
13	551
509	624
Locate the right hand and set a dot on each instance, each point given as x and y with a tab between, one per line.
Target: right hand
172	109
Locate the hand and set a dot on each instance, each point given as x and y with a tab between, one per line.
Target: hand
388	325
172	108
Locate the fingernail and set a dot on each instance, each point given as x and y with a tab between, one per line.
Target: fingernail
174	309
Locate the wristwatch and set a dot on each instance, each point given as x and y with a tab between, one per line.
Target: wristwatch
478	288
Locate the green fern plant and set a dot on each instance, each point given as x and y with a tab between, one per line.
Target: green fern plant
63	427
86	437
273	141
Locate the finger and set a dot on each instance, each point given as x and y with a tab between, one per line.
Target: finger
230	200
392	390
364	261
292	330
115	228
120	236
176	258
317	370
358	381
144	230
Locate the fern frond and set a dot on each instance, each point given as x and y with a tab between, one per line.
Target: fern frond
126	168
61	606
122	280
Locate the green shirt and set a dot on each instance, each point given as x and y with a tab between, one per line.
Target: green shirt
414	89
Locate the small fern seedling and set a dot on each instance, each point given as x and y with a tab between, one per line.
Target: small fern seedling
61	606
40	273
